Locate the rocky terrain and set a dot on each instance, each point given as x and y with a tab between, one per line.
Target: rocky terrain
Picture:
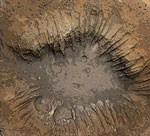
75	68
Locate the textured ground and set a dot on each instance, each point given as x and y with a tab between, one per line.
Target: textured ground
74	68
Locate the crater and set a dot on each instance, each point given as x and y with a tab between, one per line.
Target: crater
79	71
81	75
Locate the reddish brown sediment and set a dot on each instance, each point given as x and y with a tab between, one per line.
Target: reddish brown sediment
54	77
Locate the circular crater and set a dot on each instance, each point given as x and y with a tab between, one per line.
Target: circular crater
76	91
76	78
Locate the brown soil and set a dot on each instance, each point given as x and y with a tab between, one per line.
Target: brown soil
75	68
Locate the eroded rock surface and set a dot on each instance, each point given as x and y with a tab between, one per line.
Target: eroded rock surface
74	67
